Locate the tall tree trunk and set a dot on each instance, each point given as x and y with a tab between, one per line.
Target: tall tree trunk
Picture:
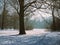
2	25
54	26
21	17
3	15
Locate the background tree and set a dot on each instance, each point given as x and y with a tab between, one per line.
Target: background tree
3	14
55	14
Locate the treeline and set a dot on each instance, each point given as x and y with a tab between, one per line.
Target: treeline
57	25
12	21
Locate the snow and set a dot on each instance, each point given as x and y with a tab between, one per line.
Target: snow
33	37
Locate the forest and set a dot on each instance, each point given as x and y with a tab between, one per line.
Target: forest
29	22
29	14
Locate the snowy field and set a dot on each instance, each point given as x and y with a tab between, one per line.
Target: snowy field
33	37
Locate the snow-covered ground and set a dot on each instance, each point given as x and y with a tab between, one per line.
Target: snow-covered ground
7	32
33	37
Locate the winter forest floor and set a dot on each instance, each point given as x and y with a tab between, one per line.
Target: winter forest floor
32	37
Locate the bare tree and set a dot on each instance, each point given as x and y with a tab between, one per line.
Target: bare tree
3	14
20	8
21	17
